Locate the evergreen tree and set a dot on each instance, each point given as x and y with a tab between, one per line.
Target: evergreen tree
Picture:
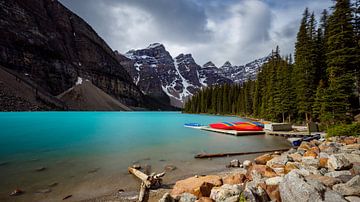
305	65
341	60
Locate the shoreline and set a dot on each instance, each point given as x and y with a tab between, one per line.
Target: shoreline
325	169
314	161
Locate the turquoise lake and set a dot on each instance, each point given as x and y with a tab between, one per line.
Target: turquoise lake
86	154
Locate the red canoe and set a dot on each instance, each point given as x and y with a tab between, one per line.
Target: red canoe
239	126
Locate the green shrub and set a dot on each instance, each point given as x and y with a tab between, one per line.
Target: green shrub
344	130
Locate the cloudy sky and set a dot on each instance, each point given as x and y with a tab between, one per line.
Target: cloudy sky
216	30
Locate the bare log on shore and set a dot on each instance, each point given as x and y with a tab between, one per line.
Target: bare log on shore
147	181
201	156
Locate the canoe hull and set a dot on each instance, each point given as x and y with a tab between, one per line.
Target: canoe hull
238	126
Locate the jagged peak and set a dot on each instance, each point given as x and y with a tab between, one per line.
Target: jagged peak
209	65
155	45
227	64
182	55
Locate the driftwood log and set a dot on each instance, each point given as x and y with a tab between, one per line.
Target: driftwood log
147	182
201	156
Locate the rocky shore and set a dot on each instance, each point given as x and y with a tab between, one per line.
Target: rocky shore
320	170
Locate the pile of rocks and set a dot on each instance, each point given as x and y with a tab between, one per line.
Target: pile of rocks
326	170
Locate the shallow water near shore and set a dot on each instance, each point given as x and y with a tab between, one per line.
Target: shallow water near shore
86	154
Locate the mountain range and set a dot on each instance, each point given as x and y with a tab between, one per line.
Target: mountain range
165	78
45	49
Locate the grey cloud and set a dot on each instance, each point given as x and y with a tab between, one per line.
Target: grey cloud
217	30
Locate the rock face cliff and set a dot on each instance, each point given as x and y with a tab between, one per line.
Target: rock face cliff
51	46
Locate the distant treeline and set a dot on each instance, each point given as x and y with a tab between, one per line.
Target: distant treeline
322	83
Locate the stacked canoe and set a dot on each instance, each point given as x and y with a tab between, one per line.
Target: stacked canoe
238	126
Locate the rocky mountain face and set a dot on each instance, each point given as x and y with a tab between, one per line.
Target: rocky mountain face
163	77
160	76
50	46
242	73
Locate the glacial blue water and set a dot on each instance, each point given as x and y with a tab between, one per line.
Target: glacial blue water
85	149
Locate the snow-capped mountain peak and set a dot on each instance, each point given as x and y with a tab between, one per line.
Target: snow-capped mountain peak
209	65
165	78
227	64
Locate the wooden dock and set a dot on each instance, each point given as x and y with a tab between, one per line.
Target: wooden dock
233	132
288	134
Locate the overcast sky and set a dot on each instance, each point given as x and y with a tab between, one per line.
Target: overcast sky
216	30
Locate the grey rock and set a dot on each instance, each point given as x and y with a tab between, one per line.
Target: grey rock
167	198
353	198
226	191
295	188
351	188
323	171
324	155
338	162
310	161
352	158
255	194
187	197
278	160
332	196
274	180
247	164
234	163
338	173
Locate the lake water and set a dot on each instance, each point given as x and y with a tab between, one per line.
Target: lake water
86	154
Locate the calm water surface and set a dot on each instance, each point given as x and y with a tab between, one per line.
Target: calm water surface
87	153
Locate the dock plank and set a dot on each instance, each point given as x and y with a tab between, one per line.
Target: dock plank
233	132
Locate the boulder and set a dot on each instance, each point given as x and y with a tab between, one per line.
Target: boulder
338	173
310	153
263	159
273	193
263	170
324	155
323	162
247	164
304	146
326	180
274	180
353	158
226	191
330	149
332	196
349	140
295	157
199	186
278	160
234	163
310	161
234	179
353	198
289	167
355	170
255	193
295	188
338	162
187	197
350	148
351	188
167	198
